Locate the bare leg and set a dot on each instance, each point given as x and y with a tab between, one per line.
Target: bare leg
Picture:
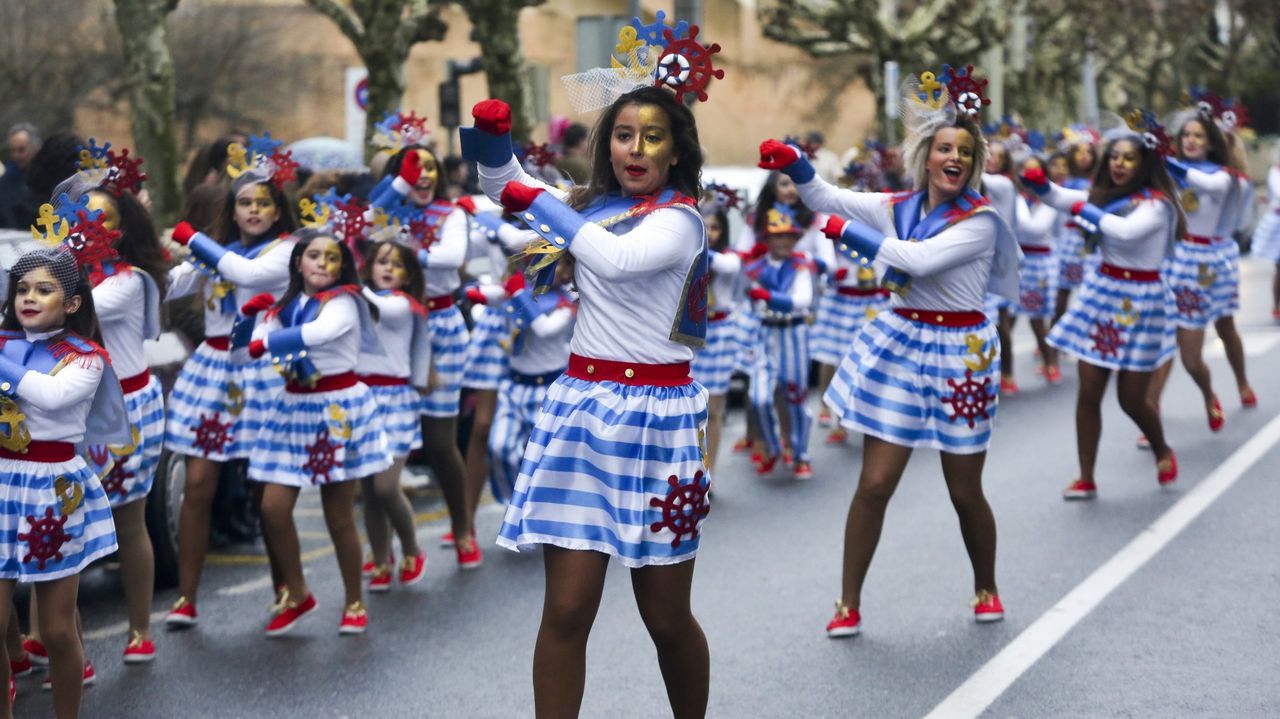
137	565
1048	355
1132	389
256	490
1093	385
1234	347
1004	330
338	500
662	595
396	507
58	631
13	634
574	584
882	466
281	535
193	523
963	473
477	461
11	650
440	445
376	525
1060	307
715	428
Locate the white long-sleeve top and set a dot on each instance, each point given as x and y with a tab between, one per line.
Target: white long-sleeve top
630	284
1213	192
547	346
185	280
1036	223
1273	188
57	406
1004	197
267	272
395	331
118	301
949	271
801	293
332	338
726	281
479	245
447	254
1140	240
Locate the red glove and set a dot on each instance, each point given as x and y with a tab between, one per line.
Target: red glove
841	273
1035	177
492	116
514	284
774	155
759	293
183	233
257	348
516	197
411	168
476	296
257	303
835	227
1075	209
758	250
467	204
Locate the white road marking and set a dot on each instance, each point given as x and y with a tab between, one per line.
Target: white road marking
989	682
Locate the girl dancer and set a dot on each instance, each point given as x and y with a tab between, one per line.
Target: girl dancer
1075	258
998	187
1118	322
397	380
217	406
324	430
713	366
1037	223
924	374
1266	235
620	442
57	388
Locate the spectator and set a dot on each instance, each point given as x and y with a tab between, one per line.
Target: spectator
573	160
22	142
57	159
458	178
825	162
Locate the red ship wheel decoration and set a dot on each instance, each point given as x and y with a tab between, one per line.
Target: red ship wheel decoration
540	154
684	506
212	434
686	65
116	477
1033	300
698	292
1107	339
1189	301
1074	272
796	393
45	540
91	244
322	457
969	399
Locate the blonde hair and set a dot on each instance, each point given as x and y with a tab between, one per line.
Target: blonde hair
916	152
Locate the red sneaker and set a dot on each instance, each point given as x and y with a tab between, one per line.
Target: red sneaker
90	677
1053	374
139	650
1248	399
36	652
838	436
21	667
412	569
1167	469
355	620
181	615
469	558
787	458
1081	489
1008	386
366	569
447	540
803	470
846	623
381	580
987	607
765	466
287	618
1216	417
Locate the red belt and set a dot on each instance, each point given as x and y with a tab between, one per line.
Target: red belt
1198	239
1035	250
717	316
860	292
439	302
222	342
136	382
632	373
942	319
383	380
1124	273
324	384
42	451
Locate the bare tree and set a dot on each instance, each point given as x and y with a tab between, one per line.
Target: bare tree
383	32
498	32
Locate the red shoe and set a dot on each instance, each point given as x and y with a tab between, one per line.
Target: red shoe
765	466
987	607
413	569
846	623
366	569
803	470
287	618
470	558
139	650
825	419
355	620
36	652
838	436
90	677
1053	374
1081	489
1248	399
787	457
1216	417
381	580
181	615
21	667
1167	469
757	456
446	540
1275	313
742	445
1008	386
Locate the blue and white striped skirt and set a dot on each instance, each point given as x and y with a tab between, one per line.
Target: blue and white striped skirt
1074	265
207	408
57	519
747	335
840	318
714	364
919	385
1226	291
127	473
449	341
486	360
1193	275
992	304
320	438
1038	285
399	411
1118	324
1266	236
513	421
614	468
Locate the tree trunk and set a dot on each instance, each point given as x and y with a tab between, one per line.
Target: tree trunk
497	24
386	88
152	109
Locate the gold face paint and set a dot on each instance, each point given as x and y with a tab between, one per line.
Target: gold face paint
256	210
642	149
332	259
110	215
656	143
320	264
389	272
430	171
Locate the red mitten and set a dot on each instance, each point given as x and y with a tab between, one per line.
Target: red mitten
257	348
758	250
841	273
759	293
183	233
835	227
774	155
1036	179
1075	209
411	168
257	303
516	197
476	296
514	284
467	204
492	116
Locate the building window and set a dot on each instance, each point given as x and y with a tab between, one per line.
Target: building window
596	37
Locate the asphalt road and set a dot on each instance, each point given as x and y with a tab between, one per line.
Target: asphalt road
1191	633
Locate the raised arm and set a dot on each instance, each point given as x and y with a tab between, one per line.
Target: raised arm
1037	220
963	242
552	323
74	383
1051	193
264	271
820	195
184	281
390	307
1213	184
1149	218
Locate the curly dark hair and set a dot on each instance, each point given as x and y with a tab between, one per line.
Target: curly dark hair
415	286
768	198
1151	174
226	231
